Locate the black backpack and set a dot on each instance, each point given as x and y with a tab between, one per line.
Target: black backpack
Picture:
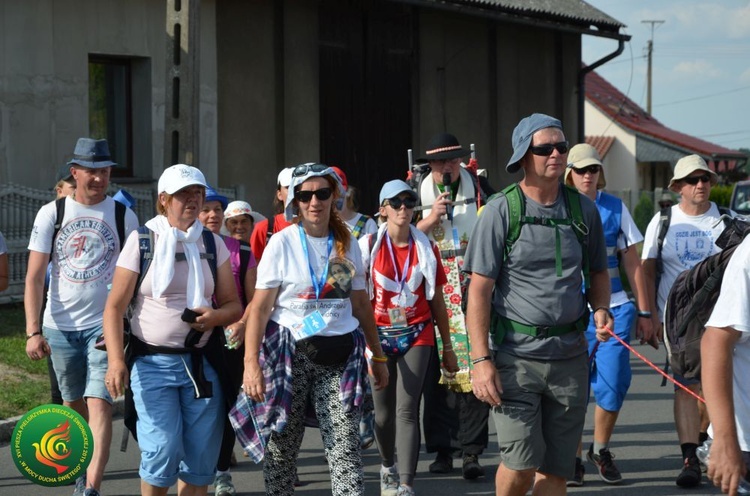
691	301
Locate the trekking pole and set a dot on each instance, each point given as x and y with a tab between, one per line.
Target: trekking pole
650	364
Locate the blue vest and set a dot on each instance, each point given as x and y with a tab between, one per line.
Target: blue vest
610	210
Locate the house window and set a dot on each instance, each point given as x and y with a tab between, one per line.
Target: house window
111	110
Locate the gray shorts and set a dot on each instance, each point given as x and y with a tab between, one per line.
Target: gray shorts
540	420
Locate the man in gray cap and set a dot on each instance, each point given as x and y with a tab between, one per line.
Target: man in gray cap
684	238
532	252
82	235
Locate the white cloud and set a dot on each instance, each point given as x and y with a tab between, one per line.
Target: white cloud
700	69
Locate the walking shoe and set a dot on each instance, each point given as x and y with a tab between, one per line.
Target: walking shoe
223	485
605	466
577	480
406	491
443	464
691	473
80	488
366	430
389	481
91	492
472	468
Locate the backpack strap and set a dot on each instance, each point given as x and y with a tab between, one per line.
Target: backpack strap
357	231
245	252
60	213
665	217
575	213
269	232
210	243
120	211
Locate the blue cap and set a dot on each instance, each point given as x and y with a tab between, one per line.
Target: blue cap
92	153
523	133
125	198
213	195
393	188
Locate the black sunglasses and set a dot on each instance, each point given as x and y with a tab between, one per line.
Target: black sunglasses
305	196
693	180
396	203
591	169
546	150
303	169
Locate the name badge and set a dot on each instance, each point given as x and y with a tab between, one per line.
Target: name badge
310	326
397	316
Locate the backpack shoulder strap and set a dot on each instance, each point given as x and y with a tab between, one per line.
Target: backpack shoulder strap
245	252
120	211
59	214
145	250
360	225
516	211
210	243
665	217
269	232
575	212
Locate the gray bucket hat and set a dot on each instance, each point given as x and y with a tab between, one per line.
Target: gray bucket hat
91	153
523	133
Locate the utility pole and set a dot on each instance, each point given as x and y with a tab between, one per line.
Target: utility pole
650	50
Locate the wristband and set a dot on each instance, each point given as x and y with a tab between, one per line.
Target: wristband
645	315
481	359
379	359
37	333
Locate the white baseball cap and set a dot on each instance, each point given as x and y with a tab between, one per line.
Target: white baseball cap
284	178
179	176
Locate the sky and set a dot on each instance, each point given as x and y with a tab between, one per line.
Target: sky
700	64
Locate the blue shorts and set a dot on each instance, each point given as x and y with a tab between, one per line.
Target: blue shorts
611	374
179	435
79	367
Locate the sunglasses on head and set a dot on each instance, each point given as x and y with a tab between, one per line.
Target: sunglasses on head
693	180
305	196
591	169
303	169
546	150
396	203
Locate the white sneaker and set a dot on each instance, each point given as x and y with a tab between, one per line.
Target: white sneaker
389	481
406	491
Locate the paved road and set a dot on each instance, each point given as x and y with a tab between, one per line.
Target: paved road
645	446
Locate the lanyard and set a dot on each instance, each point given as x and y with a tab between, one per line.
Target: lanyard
317	283
395	266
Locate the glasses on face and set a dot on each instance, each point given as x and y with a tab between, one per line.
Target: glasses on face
303	169
693	180
546	150
396	203
591	169
304	196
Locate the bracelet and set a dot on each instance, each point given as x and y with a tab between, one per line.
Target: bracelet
481	359
37	333
378	359
645	315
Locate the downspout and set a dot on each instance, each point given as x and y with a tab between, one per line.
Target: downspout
582	85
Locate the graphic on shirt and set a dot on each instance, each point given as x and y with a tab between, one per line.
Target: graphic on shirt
339	283
693	246
85	248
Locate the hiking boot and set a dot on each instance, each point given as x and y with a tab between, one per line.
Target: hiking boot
91	492
577	480
605	466
389	481
366	430
443	464
472	468
406	491
80	488
223	485
690	476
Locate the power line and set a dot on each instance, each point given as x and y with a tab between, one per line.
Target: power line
703	97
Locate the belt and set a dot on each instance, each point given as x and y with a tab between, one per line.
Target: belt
505	324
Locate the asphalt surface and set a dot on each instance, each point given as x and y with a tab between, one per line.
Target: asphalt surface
644	444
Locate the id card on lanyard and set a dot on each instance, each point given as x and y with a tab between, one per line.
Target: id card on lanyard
313	323
397	315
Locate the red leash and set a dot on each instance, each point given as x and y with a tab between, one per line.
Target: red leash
650	364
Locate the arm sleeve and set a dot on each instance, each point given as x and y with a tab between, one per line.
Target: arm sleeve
44	225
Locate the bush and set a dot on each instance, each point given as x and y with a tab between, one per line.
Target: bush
643	212
721	194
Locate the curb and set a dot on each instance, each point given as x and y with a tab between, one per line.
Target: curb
7	425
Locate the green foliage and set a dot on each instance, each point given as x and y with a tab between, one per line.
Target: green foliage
643	212
721	194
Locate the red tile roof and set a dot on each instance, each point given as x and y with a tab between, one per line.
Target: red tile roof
601	143
613	103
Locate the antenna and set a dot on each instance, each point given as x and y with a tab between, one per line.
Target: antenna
650	49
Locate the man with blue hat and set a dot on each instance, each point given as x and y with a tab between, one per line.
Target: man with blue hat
81	235
534	250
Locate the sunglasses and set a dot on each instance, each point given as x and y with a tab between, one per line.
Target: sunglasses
305	196
546	150
303	169
693	180
397	202
591	169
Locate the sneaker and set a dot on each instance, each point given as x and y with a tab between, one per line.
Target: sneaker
223	485
443	464
606	467
406	491
389	481
577	480
80	488
691	473
472	468
91	492
366	430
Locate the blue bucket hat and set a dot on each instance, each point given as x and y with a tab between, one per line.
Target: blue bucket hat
213	195
91	153
392	189
523	133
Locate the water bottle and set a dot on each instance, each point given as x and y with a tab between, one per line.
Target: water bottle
703	453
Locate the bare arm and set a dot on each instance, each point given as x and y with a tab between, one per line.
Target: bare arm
123	285
726	468
362	310
440	316
33	295
649	274
257	314
485	380
599	296
237	329
635	273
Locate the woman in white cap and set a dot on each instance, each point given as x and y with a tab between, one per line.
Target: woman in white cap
176	390
299	325
239	219
406	278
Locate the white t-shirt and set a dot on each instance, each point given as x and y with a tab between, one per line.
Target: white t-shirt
732	309
83	262
690	239
370	227
285	266
629	237
156	321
